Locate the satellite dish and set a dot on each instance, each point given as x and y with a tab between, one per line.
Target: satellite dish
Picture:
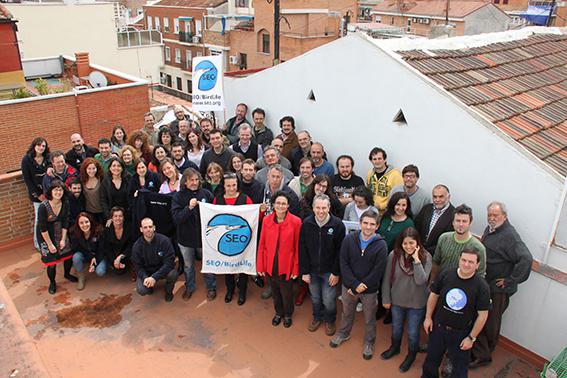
97	79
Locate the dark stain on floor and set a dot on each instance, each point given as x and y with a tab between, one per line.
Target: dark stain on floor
102	312
14	277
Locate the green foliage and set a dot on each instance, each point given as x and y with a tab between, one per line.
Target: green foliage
42	87
21	93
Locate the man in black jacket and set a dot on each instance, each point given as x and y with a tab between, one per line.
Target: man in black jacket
319	250
364	255
508	263
435	218
154	259
79	152
249	185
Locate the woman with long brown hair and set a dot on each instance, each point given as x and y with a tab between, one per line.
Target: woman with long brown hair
91	175
87	246
405	292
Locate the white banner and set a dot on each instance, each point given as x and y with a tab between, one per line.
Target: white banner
207	83
229	238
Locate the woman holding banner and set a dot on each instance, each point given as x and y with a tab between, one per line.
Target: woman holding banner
231	196
278	255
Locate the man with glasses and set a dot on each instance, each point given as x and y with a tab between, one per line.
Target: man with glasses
418	196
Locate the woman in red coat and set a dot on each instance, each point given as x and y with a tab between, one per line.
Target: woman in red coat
278	255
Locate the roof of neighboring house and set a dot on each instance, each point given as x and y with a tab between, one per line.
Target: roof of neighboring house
519	85
457	9
191	3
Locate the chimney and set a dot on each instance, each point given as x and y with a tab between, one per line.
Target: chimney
83	65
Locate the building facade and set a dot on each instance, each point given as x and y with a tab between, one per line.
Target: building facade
11	72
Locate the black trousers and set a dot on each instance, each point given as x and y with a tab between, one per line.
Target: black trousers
230	281
488	337
282	294
443	339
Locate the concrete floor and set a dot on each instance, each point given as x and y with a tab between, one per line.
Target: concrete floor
107	330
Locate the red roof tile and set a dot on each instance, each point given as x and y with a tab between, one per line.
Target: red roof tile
191	3
520	86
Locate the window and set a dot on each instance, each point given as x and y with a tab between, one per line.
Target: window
168	80
243	61
409	26
187	26
167	53
150	23
179	84
189	86
158	27
392	21
198	28
166	24
178	56
496	1
379	19
504	1
199	53
176	25
264	41
241	3
188	57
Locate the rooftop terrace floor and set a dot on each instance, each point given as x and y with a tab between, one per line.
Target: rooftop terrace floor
108	330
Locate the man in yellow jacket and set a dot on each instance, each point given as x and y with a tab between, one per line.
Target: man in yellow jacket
382	178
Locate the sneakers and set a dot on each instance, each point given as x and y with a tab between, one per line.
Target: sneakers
314	325
330	329
211	294
338	340
368	351
359	307
267	293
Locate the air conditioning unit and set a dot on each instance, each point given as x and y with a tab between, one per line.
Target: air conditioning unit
196	39
233	59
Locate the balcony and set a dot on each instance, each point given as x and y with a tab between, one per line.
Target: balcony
185	37
137	38
211	37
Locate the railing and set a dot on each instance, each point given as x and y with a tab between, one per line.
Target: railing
134	38
185	37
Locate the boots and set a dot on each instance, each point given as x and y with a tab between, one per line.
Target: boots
82	279
408	361
392	351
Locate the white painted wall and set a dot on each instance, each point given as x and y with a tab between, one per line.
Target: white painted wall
53	29
485	20
359	89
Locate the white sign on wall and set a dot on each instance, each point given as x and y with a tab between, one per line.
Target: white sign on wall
207	83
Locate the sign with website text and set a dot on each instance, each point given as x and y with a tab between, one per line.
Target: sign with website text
229	235
207	83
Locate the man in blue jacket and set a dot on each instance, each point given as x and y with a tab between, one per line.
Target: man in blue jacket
319	249
154	259
363	261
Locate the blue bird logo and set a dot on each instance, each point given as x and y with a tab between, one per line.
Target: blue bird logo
208	78
228	234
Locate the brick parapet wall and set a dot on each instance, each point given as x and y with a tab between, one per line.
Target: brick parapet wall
91	114
16	214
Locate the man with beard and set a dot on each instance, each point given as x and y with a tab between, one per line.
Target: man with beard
302	150
149	122
451	244
206	128
218	153
288	135
262	135
344	182
435	218
179	116
418	196
79	152
232	125
248	184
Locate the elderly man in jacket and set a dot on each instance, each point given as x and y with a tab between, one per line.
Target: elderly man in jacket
508	263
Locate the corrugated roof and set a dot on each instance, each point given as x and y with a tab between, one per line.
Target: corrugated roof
457	9
191	3
520	86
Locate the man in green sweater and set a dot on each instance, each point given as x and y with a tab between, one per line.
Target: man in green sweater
451	244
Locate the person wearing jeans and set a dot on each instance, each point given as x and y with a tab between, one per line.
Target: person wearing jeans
87	246
404	291
185	211
363	262
319	249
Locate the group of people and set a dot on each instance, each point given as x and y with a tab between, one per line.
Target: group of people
385	243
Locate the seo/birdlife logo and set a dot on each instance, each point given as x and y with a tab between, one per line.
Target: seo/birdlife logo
209	75
229	234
